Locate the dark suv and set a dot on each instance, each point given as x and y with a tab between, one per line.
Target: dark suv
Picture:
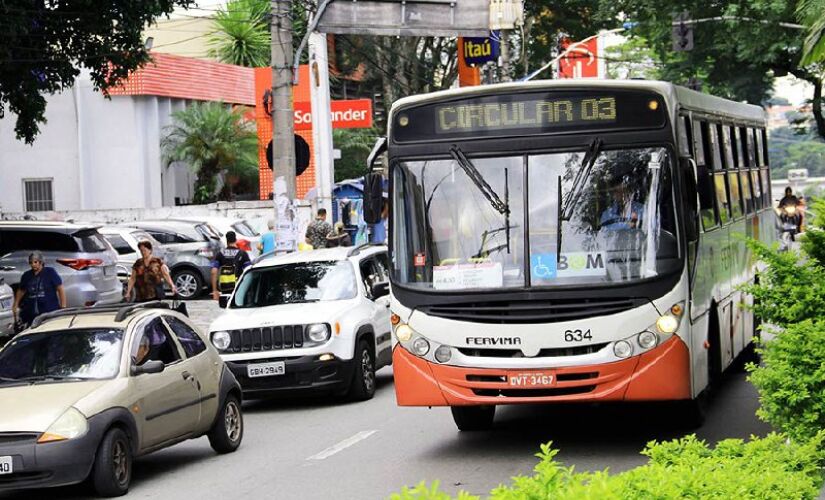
80	255
190	248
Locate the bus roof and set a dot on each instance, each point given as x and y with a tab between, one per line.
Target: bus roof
673	94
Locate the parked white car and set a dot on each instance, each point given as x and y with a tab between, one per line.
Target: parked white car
248	237
314	321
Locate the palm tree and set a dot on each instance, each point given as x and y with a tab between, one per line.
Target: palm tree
242	34
812	14
214	140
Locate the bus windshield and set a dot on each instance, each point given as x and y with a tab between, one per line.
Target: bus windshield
610	223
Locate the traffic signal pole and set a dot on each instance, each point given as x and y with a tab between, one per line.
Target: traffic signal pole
283	142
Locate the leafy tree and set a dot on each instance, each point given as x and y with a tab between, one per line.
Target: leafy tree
214	140
355	146
45	45
812	13
632	59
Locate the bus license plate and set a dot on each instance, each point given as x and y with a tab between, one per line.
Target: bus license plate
265	369
531	379
6	465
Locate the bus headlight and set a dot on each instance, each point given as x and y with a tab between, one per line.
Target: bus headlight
420	346
443	354
622	349
669	322
404	333
647	340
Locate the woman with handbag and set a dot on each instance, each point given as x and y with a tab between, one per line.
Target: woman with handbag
149	273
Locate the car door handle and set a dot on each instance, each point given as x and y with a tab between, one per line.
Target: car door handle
187	376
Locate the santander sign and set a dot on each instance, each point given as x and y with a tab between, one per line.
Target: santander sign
354	113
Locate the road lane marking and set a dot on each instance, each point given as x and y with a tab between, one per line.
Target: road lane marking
343	445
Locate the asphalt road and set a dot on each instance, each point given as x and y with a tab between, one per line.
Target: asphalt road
322	449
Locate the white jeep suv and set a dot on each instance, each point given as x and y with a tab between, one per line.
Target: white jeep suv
314	321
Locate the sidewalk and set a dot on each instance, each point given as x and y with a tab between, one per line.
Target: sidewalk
203	312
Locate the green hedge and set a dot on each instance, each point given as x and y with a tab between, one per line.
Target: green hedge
765	468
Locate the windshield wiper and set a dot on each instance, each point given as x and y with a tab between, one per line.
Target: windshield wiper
566	206
502	207
37	378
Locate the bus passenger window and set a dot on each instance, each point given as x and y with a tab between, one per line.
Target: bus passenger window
705	188
727	147
735	195
722	198
751	148
747	198
766	186
715	150
684	136
758	201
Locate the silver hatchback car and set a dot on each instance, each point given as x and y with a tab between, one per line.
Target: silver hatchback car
85	261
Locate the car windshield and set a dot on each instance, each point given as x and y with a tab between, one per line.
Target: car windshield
64	354
610	223
295	283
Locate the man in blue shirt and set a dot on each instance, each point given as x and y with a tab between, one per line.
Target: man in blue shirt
624	212
40	291
267	244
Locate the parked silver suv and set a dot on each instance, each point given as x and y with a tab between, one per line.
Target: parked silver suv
85	261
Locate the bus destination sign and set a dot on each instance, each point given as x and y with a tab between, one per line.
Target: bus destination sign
534	113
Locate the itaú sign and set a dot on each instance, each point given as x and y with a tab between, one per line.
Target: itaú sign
354	113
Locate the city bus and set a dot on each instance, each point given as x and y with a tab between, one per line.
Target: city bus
571	241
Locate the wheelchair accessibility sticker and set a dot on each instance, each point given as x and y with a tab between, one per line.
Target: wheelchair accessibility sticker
543	266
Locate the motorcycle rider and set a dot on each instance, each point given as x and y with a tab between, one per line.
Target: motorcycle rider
789	215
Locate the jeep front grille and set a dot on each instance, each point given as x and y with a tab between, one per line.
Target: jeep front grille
270	338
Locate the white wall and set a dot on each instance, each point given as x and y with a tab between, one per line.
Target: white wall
101	154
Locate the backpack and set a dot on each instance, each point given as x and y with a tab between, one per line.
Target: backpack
230	270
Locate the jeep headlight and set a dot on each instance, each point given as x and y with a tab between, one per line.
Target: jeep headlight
72	424
318	332
221	340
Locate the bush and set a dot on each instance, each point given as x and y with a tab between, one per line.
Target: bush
813	241
763	468
791	380
790	289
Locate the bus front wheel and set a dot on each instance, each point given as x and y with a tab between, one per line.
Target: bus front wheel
473	418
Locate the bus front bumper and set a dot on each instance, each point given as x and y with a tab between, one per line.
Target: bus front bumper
660	374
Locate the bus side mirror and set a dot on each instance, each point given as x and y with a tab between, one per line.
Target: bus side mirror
691	197
374	185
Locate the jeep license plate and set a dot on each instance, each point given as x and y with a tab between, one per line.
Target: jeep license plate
6	465
531	379
265	369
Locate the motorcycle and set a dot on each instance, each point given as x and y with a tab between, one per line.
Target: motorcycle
789	222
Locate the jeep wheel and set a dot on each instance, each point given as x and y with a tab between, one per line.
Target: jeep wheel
227	433
112	471
188	282
473	418
363	380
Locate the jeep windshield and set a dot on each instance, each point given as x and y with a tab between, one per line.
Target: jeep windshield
295	283
83	354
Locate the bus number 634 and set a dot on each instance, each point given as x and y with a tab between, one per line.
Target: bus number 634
577	335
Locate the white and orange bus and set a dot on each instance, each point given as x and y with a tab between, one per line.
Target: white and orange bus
571	241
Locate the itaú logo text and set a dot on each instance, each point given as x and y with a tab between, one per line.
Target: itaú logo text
493	340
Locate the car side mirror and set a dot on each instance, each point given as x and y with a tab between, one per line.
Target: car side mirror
148	367
223	301
381	289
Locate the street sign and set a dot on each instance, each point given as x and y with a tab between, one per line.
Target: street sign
407	18
581	61
478	51
352	113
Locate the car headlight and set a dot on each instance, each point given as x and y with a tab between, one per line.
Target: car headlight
72	424
221	340
318	332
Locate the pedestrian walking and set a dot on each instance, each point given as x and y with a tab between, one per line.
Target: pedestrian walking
40	291
228	266
267	244
149	273
318	230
